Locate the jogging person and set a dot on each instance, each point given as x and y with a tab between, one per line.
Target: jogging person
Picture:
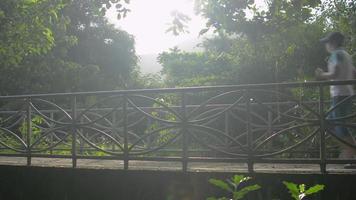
340	68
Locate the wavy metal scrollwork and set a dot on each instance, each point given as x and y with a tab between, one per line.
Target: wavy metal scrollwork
231	123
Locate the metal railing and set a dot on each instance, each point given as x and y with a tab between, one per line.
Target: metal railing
261	123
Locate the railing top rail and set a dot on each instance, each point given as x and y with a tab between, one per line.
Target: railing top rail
188	89
172	107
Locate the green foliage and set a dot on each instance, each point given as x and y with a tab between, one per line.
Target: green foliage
35	130
230	15
25	28
179	23
233	186
190	69
84	51
299	192
106	54
163	136
278	44
275	44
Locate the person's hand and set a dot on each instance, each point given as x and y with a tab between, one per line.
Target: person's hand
318	73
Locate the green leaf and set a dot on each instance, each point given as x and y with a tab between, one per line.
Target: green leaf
241	193
203	31
221	184
291	49
314	189
54	14
237	179
2	13
293	189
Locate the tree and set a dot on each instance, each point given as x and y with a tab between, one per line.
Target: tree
341	16
279	43
25	28
87	53
102	47
191	69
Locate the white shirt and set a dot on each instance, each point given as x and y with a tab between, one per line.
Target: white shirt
341	59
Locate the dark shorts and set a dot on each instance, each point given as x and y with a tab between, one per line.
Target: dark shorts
342	110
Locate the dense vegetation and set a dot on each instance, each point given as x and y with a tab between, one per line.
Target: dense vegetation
276	44
63	46
66	45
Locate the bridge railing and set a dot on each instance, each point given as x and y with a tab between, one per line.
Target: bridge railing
261	123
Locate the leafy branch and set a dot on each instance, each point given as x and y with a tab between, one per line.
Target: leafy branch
233	187
298	192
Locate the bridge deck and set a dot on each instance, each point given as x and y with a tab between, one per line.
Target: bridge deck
177	166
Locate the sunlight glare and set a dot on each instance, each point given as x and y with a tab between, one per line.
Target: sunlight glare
149	20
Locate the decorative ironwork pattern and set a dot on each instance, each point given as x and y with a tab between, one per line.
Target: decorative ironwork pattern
274	123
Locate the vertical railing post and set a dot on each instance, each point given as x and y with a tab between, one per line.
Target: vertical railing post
322	130
184	134
74	132
126	148
249	132
51	136
28	130
149	138
269	127
113	127
226	126
270	122
81	140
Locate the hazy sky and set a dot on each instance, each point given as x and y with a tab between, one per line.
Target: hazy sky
149	20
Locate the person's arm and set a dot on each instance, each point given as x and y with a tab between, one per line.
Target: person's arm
320	74
333	69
